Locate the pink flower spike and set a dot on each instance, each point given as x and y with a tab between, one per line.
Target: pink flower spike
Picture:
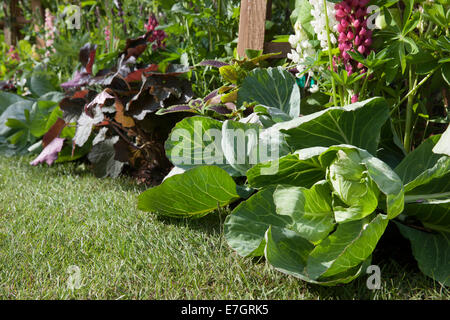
368	42
340	28
350	35
363	3
346	8
357	23
349	70
355	98
360	65
357	40
363	32
340	13
355	3
361	49
360	13
344	23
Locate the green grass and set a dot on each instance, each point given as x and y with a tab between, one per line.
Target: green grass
53	218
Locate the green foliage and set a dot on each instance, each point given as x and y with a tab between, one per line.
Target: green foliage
273	88
318	180
306	217
319	212
23	121
194	193
431	252
358	124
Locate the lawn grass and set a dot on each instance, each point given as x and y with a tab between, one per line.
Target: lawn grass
62	216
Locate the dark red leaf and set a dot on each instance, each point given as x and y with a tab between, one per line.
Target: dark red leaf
72	108
135	47
220	109
177	108
122	151
80	79
136	76
87	56
54	132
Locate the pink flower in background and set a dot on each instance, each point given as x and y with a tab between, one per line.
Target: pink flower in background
354	34
49	28
107	35
12	54
157	36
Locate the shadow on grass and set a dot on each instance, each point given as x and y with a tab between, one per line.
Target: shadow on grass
211	224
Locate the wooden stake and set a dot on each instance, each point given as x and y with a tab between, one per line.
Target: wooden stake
10	28
252	25
38	11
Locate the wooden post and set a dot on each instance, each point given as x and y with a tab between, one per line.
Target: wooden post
252	28
10	27
38	11
252	25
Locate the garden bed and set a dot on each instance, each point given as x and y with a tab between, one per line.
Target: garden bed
318	169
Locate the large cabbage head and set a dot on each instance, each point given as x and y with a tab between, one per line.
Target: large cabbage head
355	194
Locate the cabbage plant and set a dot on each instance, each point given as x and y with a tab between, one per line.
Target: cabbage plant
324	233
317	207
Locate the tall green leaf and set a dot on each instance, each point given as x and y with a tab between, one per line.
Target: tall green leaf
7	99
14	111
416	162
40	84
427	185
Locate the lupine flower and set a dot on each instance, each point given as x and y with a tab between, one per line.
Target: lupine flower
319	22
157	36
107	34
353	33
302	45
300	42
49	28
314	88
